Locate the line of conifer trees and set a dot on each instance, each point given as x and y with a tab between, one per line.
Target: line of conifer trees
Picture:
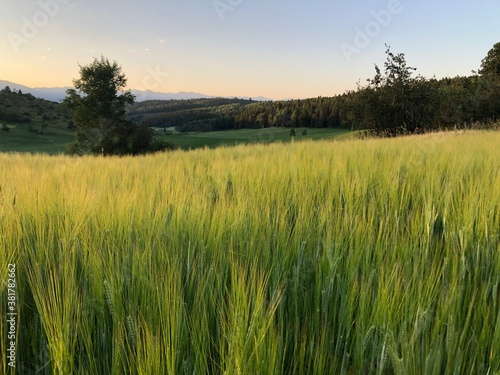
396	100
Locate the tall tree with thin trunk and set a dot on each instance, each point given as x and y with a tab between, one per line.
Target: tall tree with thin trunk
98	102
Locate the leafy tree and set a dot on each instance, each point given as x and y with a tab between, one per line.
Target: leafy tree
394	101
489	85
456	100
98	103
490	65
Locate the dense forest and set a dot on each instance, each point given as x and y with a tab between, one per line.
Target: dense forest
394	101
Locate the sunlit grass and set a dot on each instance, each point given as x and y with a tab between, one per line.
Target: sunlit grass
250	136
355	257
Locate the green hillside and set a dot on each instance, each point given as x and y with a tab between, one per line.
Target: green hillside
29	124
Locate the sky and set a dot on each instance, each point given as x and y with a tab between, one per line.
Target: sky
278	49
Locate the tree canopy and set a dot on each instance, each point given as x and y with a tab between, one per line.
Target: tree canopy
99	104
490	65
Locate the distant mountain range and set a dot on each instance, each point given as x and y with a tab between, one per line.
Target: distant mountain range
56	94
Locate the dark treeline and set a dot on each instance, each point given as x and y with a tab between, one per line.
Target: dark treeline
159	106
394	101
209	114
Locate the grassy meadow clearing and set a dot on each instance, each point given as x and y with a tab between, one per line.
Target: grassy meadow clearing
19	139
238	137
58	138
354	257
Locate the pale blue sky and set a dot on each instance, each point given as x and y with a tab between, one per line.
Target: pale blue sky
278	49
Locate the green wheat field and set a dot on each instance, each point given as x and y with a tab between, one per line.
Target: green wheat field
328	257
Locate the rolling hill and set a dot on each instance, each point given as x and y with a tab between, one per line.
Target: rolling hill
31	124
